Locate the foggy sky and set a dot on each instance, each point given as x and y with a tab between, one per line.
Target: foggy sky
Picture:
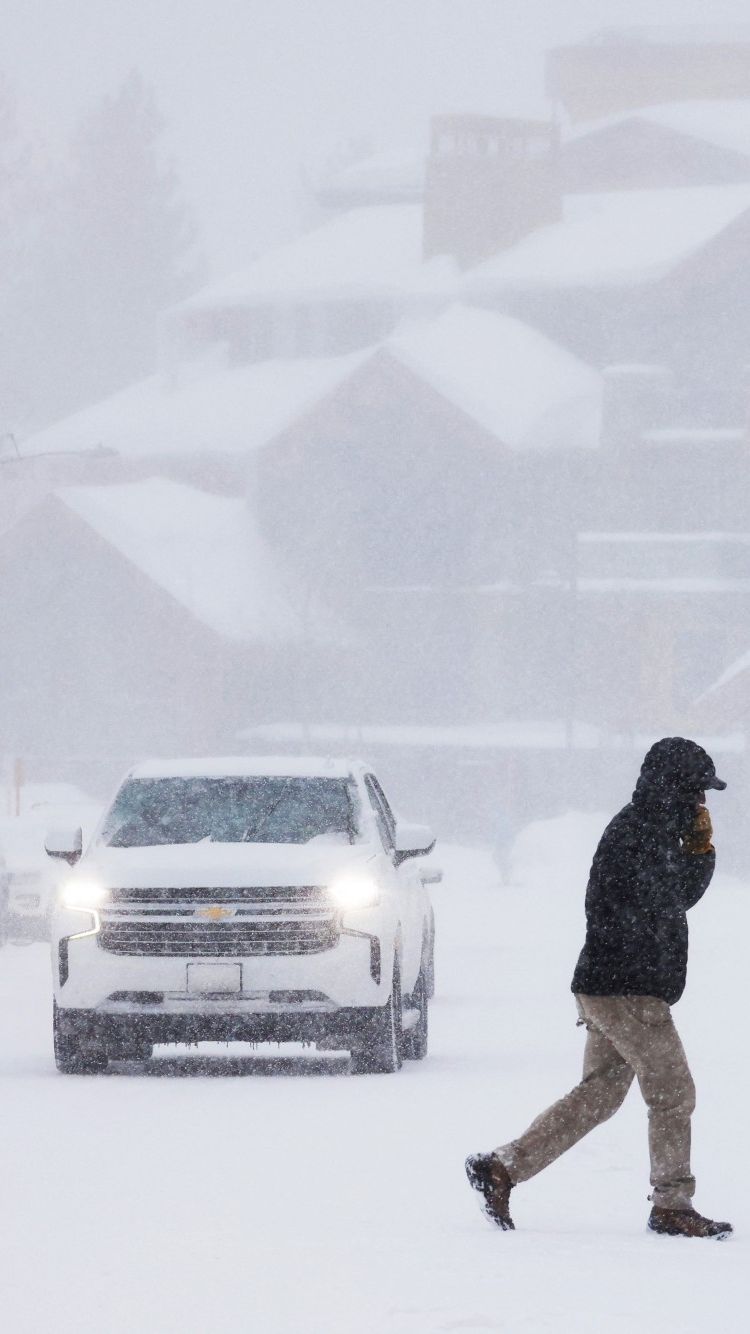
253	88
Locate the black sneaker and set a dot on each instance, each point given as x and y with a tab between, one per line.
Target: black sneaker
686	1223
490	1177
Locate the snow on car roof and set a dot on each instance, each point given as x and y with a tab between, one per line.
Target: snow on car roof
615	239
226	410
202	549
244	766
520	386
372	251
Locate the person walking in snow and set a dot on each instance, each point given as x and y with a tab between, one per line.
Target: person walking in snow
655	861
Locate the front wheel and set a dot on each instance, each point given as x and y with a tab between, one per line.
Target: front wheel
379	1050
430	965
416	1036
130	1045
74	1055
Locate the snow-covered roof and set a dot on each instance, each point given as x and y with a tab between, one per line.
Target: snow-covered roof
673	34
397	173
244	766
615	239
199	548
374	252
383	171
524	389
723	123
654	562
227	410
520	386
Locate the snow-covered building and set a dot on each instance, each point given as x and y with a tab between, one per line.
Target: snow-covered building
390	485
139	619
342	286
623	68
638	277
614	240
404	495
467	426
418	444
196	422
361	179
642	278
657	615
490	181
675	144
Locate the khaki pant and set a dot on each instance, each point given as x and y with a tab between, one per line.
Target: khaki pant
627	1036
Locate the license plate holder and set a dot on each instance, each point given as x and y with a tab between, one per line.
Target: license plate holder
214	979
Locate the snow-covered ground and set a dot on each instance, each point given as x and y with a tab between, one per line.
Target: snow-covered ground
280	1195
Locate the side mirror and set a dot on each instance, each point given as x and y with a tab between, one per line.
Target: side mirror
413	840
66	844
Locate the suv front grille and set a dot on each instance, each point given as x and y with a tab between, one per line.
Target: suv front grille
265	894
218	939
254	919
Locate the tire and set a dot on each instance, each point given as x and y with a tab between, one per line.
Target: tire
72	1056
129	1045
430	963
415	1040
381	1050
143	1052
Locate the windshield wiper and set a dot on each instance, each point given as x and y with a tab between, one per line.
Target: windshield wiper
251	833
351	827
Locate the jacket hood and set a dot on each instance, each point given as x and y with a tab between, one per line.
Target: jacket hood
675	769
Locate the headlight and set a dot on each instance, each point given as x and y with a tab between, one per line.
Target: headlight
355	891
86	894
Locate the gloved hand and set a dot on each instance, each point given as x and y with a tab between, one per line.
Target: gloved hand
698	838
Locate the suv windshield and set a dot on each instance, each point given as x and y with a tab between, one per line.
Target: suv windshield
150	811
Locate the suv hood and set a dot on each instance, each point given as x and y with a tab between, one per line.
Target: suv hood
222	865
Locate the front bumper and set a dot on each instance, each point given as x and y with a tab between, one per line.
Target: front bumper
350	975
118	1032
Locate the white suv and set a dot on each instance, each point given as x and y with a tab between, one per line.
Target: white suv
260	900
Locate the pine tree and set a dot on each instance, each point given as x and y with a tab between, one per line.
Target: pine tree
119	249
16	241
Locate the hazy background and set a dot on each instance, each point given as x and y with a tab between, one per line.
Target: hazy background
252	89
494	539
150	148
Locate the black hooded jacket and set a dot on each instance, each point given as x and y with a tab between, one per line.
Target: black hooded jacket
641	886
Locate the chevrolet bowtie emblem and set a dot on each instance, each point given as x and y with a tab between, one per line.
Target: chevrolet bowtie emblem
215	914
